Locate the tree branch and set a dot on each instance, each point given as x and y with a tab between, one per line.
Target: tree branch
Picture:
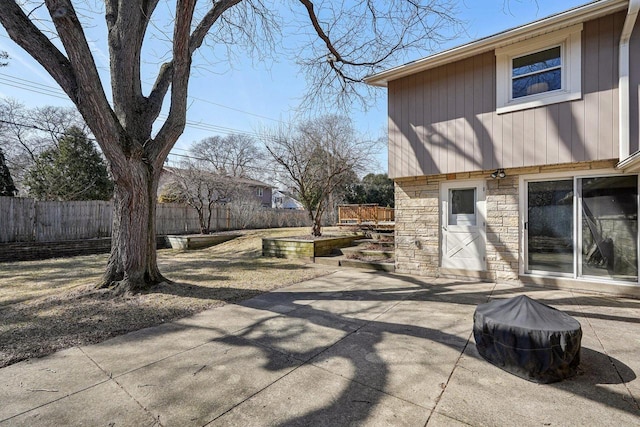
176	72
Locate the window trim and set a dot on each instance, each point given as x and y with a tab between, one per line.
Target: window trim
570	41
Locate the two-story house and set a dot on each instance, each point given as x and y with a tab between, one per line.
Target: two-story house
516	157
227	185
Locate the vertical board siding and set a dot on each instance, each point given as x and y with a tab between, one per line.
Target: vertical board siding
443	120
634	98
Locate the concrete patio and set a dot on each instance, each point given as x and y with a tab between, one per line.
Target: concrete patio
351	348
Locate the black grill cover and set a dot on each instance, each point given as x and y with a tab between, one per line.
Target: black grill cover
528	339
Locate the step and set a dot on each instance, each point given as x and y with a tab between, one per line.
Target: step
342	261
363	242
357	251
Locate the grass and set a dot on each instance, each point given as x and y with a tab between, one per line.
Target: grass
49	305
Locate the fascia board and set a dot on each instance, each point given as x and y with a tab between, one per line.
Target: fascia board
574	16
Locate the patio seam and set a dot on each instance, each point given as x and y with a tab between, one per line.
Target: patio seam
604	350
455	365
114	379
61	397
308	362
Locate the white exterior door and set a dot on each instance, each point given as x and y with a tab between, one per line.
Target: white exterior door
463	225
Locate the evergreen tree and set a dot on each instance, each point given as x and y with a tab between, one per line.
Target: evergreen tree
72	171
7	187
374	188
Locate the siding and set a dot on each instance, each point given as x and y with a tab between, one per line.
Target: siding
444	121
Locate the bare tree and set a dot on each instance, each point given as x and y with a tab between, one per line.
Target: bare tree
318	157
361	37
28	132
200	189
232	155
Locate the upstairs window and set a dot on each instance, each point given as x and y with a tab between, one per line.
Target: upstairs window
260	191
539	71
536	73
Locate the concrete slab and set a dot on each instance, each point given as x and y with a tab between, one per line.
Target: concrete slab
410	367
355	304
199	385
312	396
409	351
228	318
354	347
36	382
302	333
127	352
105	404
482	394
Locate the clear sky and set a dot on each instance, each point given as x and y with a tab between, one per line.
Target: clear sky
250	96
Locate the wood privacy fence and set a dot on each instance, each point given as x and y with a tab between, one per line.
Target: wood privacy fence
28	220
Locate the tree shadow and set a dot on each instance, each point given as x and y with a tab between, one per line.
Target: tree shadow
375	376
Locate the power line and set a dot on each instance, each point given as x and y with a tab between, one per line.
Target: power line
43	89
191	157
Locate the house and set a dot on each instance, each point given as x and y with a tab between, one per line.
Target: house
285	200
225	187
516	157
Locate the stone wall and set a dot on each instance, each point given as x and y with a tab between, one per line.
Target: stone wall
30	251
417	226
418	220
502	231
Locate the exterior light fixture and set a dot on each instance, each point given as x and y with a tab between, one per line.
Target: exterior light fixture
499	173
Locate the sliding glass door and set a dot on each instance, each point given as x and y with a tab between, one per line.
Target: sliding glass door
550	226
609	228
583	227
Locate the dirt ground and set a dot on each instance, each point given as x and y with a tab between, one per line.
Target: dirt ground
49	305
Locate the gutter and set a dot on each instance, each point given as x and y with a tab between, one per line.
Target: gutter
623	86
570	17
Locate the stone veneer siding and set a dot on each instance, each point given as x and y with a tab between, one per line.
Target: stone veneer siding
418	220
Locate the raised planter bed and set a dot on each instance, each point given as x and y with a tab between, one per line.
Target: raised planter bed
303	248
198	241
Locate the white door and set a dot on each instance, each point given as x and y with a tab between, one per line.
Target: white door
463	225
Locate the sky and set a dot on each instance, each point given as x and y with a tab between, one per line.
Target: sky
249	96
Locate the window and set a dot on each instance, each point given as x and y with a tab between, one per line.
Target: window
260	191
539	71
462	205
536	73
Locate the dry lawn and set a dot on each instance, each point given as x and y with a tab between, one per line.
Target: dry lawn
49	305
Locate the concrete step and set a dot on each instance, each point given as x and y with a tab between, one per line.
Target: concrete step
357	251
343	261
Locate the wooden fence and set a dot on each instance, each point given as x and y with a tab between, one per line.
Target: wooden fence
28	220
365	214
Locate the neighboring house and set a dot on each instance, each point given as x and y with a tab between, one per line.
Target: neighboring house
516	157
284	200
260	190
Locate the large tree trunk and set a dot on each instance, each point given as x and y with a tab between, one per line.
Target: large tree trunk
132	266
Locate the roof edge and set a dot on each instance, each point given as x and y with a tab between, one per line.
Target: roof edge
573	16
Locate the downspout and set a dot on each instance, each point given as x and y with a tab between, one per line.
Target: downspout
623	80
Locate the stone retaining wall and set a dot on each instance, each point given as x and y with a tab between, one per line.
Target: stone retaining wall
30	251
